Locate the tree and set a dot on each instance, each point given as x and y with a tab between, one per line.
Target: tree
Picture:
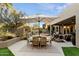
10	17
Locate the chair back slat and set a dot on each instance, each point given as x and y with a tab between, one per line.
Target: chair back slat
43	41
35	41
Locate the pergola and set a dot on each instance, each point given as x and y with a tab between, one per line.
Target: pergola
39	18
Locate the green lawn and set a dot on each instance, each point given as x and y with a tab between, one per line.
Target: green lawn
70	51
5	52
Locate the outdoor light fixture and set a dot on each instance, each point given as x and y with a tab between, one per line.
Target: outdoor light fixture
64	26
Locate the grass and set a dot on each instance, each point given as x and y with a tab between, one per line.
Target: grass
70	51
5	52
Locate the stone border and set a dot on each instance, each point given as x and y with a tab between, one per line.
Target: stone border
7	43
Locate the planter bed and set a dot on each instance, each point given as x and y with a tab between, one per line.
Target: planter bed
4	38
6	43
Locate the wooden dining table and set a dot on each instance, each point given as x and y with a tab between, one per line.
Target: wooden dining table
47	37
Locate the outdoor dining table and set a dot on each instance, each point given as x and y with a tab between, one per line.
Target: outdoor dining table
31	38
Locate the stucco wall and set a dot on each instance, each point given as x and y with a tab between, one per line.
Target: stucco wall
77	30
7	43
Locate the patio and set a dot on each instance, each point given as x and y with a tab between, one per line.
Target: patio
16	28
22	49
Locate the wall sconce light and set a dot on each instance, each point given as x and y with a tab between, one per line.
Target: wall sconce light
64	26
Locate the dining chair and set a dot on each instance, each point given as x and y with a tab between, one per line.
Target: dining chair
43	41
35	41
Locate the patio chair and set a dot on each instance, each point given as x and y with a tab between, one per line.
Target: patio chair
68	37
35	42
43	41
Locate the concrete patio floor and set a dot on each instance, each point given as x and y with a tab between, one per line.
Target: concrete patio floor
22	49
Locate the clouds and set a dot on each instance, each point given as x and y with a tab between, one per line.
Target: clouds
62	7
53	6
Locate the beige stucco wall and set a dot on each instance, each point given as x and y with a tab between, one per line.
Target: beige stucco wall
77	30
7	43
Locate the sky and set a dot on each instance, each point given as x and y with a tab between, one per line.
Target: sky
40	8
52	9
